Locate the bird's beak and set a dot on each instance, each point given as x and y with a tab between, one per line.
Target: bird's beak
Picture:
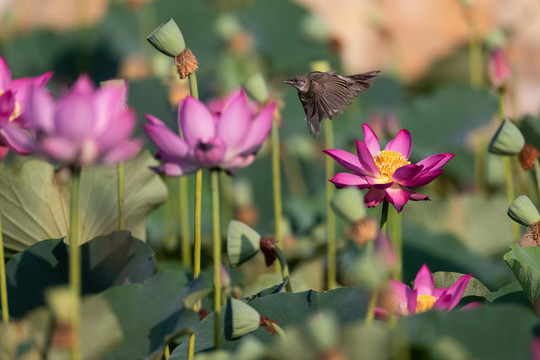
288	81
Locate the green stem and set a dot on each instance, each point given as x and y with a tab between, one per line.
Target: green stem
395	232
214	174
3	284
276	181
330	217
370	315
537	176
121	197
197	233
279	331
476	65
183	212
384	216
75	263
284	268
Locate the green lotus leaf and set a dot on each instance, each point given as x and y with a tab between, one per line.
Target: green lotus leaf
34	201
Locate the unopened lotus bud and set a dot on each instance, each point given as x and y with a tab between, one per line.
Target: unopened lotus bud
167	38
348	204
256	87
240	319
528	156
242	243
61	301
508	140
499	68
523	211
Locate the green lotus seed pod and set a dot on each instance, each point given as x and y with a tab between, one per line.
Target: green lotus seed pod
256	87
523	211
167	38
508	140
242	243
348	204
240	319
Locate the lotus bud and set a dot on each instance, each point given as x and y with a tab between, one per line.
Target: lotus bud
242	243
256	88
167	38
60	300
499	68
508	140
240	319
523	211
348	204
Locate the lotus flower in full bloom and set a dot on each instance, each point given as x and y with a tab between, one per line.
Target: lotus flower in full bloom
424	297
228	139
13	94
388	173
84	126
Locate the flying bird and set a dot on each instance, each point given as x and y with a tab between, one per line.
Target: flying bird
324	95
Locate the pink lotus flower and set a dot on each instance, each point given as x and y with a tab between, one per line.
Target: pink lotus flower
228	140
13	94
388	173
85	126
424	297
499	68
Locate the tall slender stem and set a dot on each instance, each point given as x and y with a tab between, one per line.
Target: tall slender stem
214	174
476	68
183	212
284	268
276	182
370	315
3	285
75	263
197	233
395	232
121	197
537	176
330	217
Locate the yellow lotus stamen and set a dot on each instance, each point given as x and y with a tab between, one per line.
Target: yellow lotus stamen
424	303
388	162
16	111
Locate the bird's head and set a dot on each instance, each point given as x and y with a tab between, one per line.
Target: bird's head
299	82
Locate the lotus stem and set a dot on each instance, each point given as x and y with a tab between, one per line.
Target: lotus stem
214	175
183	212
121	197
3	284
75	263
276	182
395	232
330	217
197	231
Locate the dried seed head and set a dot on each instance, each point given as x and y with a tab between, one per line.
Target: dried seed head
527	156
267	248
186	63
362	231
534	230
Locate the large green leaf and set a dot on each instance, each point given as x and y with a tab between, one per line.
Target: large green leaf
489	332
525	264
152	312
34	201
348	303
107	261
443	279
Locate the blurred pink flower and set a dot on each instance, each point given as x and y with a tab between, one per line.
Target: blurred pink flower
84	126
13	94
388	173
218	105
499	68
228	140
424	297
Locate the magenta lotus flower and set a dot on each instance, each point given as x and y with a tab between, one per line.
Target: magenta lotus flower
388	173
228	140
84	126
424	296
13	94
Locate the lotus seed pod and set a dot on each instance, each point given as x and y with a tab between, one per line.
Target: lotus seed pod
242	243
167	38
523	211
508	140
240	319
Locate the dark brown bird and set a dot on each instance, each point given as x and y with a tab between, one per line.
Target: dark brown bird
324	95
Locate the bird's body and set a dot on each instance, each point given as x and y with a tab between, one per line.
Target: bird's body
326	94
